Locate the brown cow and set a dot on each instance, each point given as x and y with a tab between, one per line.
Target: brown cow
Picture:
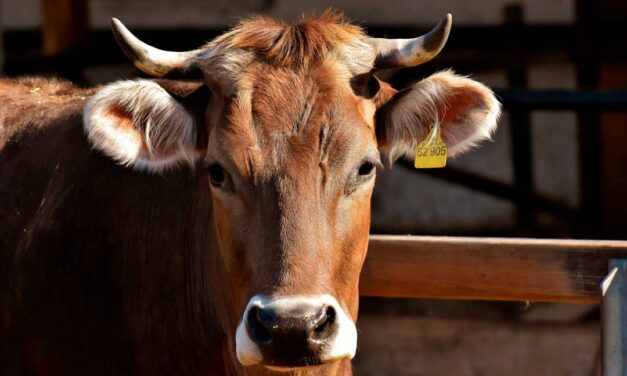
246	263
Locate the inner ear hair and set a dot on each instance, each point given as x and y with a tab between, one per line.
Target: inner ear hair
466	110
365	85
179	89
139	124
194	96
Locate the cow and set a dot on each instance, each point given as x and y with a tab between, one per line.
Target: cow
214	218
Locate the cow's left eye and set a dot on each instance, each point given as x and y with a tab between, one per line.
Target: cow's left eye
362	174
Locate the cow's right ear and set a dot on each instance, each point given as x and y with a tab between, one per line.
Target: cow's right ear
140	124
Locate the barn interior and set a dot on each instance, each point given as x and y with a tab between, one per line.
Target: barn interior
555	168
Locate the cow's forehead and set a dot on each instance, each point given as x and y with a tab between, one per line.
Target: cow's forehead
311	42
290	101
280	117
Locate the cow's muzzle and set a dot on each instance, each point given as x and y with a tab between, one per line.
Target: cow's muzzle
290	332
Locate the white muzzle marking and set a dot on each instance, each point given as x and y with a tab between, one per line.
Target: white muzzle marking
342	346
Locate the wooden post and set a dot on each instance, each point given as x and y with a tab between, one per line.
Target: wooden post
1	44
614	319
613	154
602	64
65	25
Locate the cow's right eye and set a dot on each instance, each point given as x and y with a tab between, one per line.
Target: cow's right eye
366	168
217	175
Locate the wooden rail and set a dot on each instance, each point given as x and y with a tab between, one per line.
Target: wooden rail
488	268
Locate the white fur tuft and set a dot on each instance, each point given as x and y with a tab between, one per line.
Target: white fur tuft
162	135
342	346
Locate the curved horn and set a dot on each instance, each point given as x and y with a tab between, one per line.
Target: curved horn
151	60
399	53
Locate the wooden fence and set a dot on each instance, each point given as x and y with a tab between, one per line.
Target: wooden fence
549	270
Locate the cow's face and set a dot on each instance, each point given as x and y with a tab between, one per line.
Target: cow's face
289	125
292	166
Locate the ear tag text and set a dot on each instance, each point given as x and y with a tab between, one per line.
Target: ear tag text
431	152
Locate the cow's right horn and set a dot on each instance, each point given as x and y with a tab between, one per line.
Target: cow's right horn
151	60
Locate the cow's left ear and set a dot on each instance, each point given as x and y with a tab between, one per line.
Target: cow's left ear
142	125
466	110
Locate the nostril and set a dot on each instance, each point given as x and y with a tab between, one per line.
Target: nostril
326	321
257	326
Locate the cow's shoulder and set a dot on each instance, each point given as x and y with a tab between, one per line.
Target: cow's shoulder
29	103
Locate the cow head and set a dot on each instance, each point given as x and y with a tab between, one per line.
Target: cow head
288	122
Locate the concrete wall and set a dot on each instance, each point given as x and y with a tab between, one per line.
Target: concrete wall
411	346
25	14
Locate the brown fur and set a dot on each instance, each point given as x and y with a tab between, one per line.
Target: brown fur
107	270
291	140
137	251
34	100
301	44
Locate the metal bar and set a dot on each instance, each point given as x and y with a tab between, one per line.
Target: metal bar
588	62
487	268
497	189
590	177
523	168
597	100
614	319
520	126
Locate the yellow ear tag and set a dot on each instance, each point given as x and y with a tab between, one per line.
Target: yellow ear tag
431	152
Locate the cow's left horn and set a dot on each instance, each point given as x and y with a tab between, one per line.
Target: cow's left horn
151	60
399	53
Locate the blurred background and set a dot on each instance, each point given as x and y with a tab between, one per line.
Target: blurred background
555	169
